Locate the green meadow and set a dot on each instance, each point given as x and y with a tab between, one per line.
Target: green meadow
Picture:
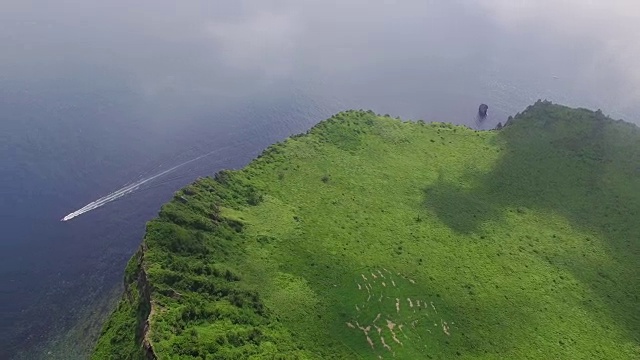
375	238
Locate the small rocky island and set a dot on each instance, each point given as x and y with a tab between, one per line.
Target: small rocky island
482	110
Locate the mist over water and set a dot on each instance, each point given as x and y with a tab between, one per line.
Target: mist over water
95	96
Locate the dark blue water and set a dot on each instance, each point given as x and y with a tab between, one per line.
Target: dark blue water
94	96
67	148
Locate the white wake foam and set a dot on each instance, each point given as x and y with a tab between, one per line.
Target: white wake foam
126	190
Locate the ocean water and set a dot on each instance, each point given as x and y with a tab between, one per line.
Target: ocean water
95	97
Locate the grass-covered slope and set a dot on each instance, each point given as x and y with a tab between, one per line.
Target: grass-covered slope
373	238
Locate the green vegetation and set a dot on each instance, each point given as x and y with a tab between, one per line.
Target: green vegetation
370	237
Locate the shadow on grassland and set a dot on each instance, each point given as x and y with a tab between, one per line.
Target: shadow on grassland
573	162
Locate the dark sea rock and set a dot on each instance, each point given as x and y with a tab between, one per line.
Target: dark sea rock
482	110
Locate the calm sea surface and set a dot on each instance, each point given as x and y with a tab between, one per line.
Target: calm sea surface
97	95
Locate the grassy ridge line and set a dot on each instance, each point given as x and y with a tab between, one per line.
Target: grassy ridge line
266	262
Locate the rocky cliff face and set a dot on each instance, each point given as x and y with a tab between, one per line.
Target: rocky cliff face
144	298
127	333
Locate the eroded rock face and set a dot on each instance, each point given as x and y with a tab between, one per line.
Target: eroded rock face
482	110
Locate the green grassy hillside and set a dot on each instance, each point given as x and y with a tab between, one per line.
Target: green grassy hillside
374	238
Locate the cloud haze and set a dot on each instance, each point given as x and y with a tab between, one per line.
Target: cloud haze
201	50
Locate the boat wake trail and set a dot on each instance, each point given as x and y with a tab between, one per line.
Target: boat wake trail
126	190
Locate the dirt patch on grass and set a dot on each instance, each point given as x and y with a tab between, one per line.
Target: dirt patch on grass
445	327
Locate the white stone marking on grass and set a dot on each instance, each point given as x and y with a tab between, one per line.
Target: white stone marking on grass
388	272
373	275
378	328
370	342
365	330
410	302
412	281
391	325
383	284
381	275
377	318
357	308
445	327
394	283
380	298
397	305
384	343
359	287
364	277
395	338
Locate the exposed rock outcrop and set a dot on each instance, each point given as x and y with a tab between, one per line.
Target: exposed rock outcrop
144	303
482	110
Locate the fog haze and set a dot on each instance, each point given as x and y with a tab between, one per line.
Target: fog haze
213	51
96	94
